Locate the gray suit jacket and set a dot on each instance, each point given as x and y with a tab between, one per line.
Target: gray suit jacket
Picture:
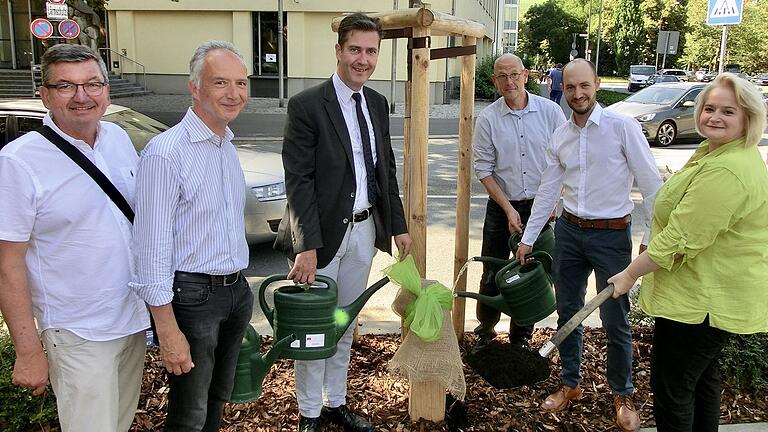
320	176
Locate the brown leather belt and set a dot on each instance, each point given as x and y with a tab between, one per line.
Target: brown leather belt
605	224
203	278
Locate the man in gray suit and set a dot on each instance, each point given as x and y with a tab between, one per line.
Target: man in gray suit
343	203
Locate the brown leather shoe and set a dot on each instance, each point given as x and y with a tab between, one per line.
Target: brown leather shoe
626	416
560	399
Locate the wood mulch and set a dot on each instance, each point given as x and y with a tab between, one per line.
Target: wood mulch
383	399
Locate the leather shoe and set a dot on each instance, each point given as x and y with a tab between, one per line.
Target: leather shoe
342	416
560	399
626	416
481	344
309	424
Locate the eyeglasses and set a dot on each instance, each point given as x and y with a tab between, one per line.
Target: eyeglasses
504	77
93	88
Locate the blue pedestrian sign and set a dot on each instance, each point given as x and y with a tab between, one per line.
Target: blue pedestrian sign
724	12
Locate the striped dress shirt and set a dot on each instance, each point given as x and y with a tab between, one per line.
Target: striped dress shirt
190	200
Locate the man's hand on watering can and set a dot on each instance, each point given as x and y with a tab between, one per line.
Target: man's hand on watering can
403	243
522	250
304	268
622	283
514	224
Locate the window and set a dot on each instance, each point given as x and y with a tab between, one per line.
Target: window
3	129
265	41
27	124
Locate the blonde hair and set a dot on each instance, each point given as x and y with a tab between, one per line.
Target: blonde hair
749	99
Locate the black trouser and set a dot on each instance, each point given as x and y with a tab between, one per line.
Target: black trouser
495	244
685	375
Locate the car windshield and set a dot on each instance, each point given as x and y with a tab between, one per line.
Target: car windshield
139	127
656	95
642	70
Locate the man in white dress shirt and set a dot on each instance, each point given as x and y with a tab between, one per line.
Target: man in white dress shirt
511	136
594	159
65	257
190	242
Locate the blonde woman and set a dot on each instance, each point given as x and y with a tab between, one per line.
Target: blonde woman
706	263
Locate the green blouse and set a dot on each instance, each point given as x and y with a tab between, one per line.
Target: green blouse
710	238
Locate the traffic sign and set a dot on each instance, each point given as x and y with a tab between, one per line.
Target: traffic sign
57	1
41	28
724	12
69	29
56	11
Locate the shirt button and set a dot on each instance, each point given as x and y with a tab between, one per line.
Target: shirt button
523	154
345	221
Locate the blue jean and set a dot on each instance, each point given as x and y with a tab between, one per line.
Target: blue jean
578	252
213	319
555	96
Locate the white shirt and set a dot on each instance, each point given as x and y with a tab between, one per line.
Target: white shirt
510	145
344	95
189	209
595	167
79	259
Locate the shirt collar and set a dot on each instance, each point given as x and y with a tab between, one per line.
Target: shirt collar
343	93
199	131
531	106
48	121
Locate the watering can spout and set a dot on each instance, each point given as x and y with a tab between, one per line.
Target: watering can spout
497	302
265	361
345	315
252	367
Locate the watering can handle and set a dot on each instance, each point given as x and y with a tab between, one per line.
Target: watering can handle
268	311
544	258
574	322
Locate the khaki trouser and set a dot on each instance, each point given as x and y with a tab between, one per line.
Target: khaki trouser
97	384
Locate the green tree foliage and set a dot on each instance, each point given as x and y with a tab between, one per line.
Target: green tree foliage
548	22
483	85
628	35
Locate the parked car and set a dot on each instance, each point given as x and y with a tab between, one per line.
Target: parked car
760	79
654	79
264	177
679	73
700	74
664	110
709	77
638	76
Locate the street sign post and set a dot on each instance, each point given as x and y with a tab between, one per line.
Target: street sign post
724	13
667	43
69	29
41	28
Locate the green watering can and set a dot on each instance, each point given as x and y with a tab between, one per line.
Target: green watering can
252	367
544	242
311	313
525	291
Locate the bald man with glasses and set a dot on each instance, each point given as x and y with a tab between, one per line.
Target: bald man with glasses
510	137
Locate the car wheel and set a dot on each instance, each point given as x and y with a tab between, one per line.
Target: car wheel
666	134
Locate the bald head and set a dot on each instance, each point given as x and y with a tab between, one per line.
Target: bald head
507	60
581	65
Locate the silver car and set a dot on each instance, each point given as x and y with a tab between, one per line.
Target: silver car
664	110
264	177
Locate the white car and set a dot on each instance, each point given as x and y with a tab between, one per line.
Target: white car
264	177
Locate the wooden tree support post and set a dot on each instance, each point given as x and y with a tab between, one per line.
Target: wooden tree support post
464	179
427	399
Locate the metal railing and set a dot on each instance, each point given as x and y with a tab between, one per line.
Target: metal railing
108	52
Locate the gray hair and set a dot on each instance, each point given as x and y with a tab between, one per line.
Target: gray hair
64	53
198	58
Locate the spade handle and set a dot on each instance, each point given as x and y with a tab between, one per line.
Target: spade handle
574	322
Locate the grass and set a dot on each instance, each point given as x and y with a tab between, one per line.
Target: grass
608	97
613	79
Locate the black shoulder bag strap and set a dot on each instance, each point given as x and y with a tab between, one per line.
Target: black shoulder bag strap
90	169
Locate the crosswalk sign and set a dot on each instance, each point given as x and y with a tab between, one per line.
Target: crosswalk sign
724	12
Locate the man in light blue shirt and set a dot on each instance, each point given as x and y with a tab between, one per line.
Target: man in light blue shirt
510	139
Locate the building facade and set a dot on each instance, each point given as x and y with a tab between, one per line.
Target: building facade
160	36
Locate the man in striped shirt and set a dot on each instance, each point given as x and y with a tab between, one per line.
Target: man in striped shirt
189	240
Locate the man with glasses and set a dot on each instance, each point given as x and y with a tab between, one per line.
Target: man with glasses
65	253
511	135
190	242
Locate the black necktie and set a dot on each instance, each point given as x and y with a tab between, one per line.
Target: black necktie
370	170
